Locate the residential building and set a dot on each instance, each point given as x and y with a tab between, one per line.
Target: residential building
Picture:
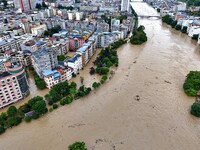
38	30
53	77
44	59
13	83
75	43
75	63
25	5
125	5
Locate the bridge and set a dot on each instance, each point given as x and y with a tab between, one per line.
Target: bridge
149	16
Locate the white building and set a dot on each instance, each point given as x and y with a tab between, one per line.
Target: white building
75	63
199	39
79	16
71	15
125	4
53	77
39	30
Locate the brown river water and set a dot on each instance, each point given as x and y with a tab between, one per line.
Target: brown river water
111	118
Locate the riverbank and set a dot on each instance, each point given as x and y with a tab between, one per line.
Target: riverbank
111	115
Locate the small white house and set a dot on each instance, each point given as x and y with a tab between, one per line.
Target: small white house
199	39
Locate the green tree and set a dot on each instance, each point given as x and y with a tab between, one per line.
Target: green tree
27	119
2	130
192	83
40	107
173	24
178	27
195	109
95	85
61	57
13	121
55	106
12	111
77	146
184	29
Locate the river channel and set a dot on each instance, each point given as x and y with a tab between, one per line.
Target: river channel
111	118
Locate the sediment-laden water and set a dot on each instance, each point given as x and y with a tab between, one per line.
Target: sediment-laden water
113	117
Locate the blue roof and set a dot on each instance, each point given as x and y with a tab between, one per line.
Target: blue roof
56	75
74	58
39	42
82	49
47	72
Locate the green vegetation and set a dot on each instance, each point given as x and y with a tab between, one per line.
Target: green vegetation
191	2
138	36
95	85
27	119
39	82
184	29
173	24
51	31
83	91
178	27
13	116
54	106
195	36
103	78
77	146
107	58
192	83
167	19
195	109
61	57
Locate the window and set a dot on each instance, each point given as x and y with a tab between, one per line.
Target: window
8	79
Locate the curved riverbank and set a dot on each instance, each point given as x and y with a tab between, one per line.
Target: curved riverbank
112	117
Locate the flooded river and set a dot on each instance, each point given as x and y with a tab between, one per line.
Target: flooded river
111	118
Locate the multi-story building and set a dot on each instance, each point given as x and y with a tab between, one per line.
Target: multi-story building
13	83
25	5
44	59
84	52
125	5
24	57
75	43
9	44
53	77
75	63
39	30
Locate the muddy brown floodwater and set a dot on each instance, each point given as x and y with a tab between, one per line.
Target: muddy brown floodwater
143	107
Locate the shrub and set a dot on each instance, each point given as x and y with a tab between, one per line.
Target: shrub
50	109
12	111
2	130
192	83
195	109
27	119
184	29
35	115
77	146
178	27
62	102
95	85
195	37
55	106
